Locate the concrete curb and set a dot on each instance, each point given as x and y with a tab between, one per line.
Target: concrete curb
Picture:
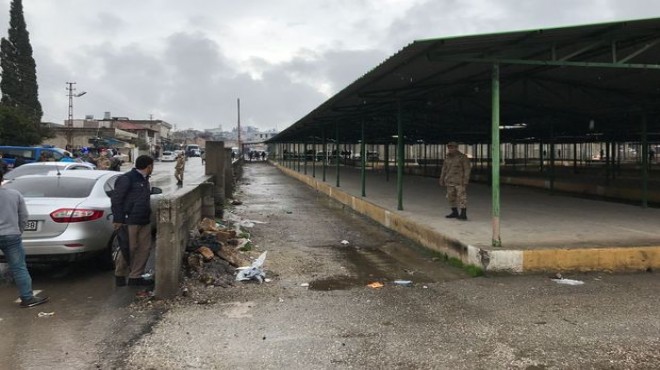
615	259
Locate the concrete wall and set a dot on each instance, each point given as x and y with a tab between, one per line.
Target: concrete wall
181	211
178	213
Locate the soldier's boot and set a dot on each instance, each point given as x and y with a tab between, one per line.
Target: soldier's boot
463	215
453	214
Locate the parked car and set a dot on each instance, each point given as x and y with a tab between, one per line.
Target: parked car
70	215
168	156
192	150
29	154
43	168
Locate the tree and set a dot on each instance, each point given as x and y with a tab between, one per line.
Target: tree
17	129
19	73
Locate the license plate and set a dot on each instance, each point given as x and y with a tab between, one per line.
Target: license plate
31	225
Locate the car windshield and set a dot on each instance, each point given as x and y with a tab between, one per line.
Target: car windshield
167	153
29	170
52	187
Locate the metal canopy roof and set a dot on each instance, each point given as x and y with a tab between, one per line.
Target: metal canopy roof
582	83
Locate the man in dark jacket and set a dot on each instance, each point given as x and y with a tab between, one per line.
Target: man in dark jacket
131	210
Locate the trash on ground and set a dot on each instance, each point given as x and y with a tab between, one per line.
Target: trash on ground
304	285
344	242
236	202
215	250
144	294
46	314
568	281
403	282
254	272
268	280
425	287
375	285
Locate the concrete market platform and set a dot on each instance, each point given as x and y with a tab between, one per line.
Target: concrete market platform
540	231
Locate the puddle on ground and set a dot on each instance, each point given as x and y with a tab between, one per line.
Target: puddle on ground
385	264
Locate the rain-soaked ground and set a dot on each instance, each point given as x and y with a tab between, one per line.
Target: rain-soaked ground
318	312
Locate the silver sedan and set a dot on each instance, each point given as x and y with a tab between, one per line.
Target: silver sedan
70	215
43	168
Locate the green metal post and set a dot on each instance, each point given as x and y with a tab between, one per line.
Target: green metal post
608	163
298	155
552	163
495	155
645	162
387	162
314	157
575	158
541	156
400	156
325	152
337	150
363	159
305	157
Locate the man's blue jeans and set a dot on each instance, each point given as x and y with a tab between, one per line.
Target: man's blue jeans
12	248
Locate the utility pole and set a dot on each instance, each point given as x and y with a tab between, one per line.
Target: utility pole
240	148
69	124
70	89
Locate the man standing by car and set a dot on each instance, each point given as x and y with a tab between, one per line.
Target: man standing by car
455	176
131	211
13	216
179	168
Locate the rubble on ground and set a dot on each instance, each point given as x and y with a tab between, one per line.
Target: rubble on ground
215	252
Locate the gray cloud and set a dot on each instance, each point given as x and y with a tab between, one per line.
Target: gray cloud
188	62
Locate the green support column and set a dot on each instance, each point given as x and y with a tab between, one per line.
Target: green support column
495	155
645	162
552	163
304	158
400	157
363	159
325	152
541	156
575	158
298	156
387	162
608	161
425	159
513	156
337	150
314	157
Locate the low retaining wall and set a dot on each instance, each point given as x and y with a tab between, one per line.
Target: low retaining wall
178	213
496	260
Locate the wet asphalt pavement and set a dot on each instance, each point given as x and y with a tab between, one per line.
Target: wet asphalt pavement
91	320
445	320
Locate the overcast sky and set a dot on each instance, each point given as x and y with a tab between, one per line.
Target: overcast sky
186	62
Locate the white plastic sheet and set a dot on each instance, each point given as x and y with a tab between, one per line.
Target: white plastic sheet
254	272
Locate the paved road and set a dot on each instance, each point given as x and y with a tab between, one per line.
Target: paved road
92	319
526	322
444	321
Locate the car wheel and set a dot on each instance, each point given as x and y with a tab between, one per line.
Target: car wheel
106	260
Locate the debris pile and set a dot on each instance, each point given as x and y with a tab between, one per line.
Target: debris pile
214	252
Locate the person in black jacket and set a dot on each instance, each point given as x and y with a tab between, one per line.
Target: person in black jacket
131	210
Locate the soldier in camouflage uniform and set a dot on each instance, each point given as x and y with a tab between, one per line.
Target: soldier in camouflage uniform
103	163
455	176
178	168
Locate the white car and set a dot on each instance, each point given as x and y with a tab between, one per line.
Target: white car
168	156
44	168
70	215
